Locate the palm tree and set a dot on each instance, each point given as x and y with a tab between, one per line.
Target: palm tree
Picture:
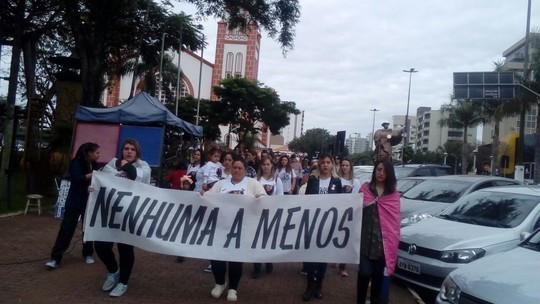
462	114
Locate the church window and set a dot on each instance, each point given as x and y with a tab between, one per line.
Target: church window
239	63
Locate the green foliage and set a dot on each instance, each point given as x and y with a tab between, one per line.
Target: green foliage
312	141
246	105
187	110
362	159
277	17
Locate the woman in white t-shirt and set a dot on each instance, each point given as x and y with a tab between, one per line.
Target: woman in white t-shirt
349	184
273	186
239	183
286	174
323	181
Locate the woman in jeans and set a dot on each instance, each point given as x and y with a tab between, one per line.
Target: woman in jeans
380	233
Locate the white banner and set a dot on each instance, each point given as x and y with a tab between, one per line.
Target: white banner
231	227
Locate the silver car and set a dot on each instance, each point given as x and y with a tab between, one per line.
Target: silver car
433	195
508	277
479	224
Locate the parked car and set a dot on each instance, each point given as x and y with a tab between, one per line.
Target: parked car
422	170
406	183
508	277
435	194
479	224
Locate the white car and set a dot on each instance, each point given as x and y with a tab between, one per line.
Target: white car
479	224
508	277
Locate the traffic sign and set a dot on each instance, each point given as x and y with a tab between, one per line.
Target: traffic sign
484	85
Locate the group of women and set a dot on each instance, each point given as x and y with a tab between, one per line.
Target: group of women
226	173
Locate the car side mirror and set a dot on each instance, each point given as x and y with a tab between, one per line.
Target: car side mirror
524	235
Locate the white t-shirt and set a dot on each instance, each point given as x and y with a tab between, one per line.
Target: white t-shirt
273	186
199	179
228	187
192	168
323	185
350	186
212	172
286	179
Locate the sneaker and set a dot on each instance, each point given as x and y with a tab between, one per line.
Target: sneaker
89	259
344	273
52	264
231	295
218	290
111	281
119	290
208	269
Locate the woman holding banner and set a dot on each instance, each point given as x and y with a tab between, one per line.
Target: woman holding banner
322	181
273	186
130	166
239	183
80	175
380	234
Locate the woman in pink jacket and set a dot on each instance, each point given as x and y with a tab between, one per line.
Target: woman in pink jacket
380	233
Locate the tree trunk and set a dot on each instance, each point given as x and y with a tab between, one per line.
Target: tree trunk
495	145
537	151
10	108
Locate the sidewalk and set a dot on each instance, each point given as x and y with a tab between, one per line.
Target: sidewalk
26	241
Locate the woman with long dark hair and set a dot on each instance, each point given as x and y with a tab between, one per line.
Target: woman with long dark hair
129	166
80	175
380	233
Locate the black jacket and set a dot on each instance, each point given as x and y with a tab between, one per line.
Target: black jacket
313	185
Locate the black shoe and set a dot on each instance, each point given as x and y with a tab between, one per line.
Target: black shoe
308	294
317	294
269	267
317	290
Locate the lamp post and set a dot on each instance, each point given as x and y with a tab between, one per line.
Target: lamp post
161	66
373	130
179	75
200	79
406	140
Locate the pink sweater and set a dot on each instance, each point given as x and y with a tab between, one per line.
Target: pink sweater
389	214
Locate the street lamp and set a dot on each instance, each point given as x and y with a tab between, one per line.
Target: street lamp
161	66
406	140
445	155
373	130
179	75
200	77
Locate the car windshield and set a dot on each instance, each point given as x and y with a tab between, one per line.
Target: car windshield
533	242
402	172
403	185
435	190
486	208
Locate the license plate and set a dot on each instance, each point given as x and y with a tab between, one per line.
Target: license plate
409	265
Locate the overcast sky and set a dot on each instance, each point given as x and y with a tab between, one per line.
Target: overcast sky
349	55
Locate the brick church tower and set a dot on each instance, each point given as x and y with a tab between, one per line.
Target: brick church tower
237	53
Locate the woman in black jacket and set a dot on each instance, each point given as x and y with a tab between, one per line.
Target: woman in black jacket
323	181
80	173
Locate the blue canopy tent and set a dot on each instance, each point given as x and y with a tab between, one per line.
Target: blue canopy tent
142	109
143	117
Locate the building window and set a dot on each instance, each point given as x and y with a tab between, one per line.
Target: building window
229	63
238	65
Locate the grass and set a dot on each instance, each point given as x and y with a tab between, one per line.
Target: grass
18	195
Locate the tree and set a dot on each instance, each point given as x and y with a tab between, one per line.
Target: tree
314	141
246	105
462	114
277	17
